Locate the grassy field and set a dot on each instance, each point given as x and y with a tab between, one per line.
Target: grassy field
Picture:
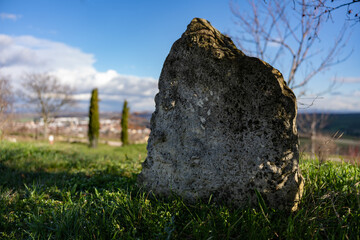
67	191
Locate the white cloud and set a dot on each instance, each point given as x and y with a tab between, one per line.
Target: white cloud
27	54
9	16
41	55
348	79
341	103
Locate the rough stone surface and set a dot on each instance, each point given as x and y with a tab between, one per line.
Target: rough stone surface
224	125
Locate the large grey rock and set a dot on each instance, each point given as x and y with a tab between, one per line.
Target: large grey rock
224	125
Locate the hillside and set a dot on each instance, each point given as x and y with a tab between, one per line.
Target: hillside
348	124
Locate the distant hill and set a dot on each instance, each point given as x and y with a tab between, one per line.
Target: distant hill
146	115
349	124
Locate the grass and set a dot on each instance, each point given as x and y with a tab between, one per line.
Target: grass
68	191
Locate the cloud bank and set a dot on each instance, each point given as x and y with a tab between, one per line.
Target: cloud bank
342	103
27	54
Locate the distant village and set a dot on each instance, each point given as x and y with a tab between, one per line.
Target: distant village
74	128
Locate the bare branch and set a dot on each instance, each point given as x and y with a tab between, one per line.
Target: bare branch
327	8
288	30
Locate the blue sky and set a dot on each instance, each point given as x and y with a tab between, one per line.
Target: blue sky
120	46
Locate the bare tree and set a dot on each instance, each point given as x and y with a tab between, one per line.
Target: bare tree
309	124
5	103
321	146
47	94
288	31
282	30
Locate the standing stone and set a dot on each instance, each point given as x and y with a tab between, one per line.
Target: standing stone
224	125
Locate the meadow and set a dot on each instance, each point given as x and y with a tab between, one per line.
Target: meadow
68	191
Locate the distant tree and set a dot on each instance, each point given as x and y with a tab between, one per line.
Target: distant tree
94	123
47	94
124	124
310	124
5	102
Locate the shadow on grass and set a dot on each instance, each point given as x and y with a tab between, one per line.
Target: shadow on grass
15	179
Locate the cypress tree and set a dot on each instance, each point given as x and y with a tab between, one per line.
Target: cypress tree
94	123
124	124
